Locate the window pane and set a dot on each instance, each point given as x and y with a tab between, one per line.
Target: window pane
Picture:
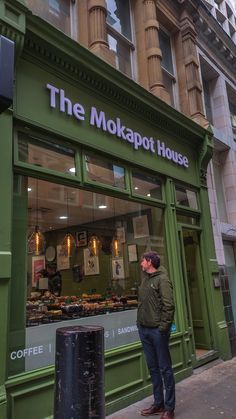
187	220
165	46
102	171
220	190
148	186
56	12
47	155
54	287
118	16
123	54
168	83
186	197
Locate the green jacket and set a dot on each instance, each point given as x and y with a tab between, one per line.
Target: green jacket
156	303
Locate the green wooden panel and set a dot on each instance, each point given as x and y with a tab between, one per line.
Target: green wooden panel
31	82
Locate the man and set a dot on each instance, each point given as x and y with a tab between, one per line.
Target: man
154	319
54	280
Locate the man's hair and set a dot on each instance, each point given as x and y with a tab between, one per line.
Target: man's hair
153	257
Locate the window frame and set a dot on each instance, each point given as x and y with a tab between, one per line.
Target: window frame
172	77
122	38
146	198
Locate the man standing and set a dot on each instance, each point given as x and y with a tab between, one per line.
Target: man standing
154	319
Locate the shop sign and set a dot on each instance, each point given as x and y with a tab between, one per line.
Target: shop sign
115	127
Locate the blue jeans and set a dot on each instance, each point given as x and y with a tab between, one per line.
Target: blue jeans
157	353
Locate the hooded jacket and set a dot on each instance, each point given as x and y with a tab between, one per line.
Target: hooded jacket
156	303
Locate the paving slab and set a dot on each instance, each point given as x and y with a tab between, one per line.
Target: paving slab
210	393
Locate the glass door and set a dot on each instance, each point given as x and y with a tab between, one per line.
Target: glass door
196	308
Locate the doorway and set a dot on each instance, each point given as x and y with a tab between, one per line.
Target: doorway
196	307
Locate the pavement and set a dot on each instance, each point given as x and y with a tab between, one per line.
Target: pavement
209	393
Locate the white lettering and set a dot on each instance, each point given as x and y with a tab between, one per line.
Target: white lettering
65	102
172	155
128	329
114	127
79	112
98	120
23	353
53	92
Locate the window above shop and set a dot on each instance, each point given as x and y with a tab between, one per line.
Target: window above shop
167	64
47	155
103	171
146	186
186	197
120	34
57	12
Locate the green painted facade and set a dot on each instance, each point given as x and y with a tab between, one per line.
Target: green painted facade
46	56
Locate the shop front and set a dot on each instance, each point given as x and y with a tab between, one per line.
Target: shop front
102	171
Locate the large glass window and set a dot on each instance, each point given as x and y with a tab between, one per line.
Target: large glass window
46	154
104	171
146	185
56	12
220	190
119	34
167	64
186	197
78	251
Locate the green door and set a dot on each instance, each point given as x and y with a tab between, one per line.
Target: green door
196	307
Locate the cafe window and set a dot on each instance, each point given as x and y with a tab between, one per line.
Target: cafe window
57	12
95	273
120	34
104	171
186	197
45	154
146	186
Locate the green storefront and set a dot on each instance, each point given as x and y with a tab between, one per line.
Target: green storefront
94	170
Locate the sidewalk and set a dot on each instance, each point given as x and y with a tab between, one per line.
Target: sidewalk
209	393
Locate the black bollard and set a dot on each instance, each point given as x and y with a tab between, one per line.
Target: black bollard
79	375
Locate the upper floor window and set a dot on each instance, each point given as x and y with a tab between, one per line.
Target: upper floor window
167	64
120	34
56	12
207	100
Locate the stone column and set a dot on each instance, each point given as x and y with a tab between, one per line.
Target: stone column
97	30
192	72
153	52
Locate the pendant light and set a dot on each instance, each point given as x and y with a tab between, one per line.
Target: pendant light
94	243
115	247
36	241
115	244
68	242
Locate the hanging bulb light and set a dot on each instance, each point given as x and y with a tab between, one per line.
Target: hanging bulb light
68	242
36	241
115	247
94	245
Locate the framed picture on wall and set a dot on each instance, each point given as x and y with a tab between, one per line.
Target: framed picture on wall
132	253
91	263
81	238
63	260
118	271
38	264
140	226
